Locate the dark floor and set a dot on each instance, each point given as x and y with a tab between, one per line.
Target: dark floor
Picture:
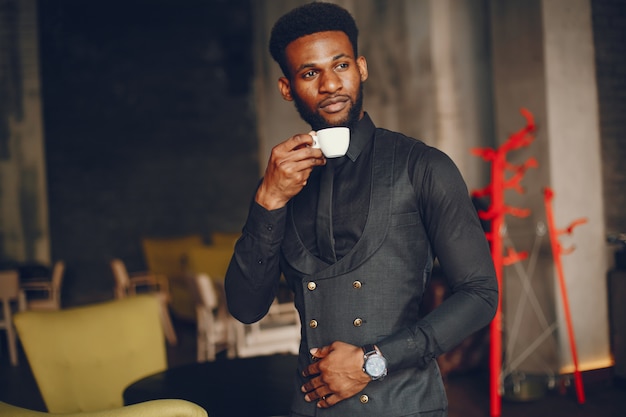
468	392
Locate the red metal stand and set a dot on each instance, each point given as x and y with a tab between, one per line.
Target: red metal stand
495	213
557	251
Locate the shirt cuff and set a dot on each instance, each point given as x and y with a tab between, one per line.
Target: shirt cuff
266	225
407	349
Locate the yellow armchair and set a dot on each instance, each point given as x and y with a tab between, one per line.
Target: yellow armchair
212	260
155	408
127	284
83	358
166	256
225	238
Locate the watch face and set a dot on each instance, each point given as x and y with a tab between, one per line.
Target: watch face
375	366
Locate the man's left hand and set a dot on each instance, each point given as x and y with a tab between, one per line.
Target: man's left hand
337	374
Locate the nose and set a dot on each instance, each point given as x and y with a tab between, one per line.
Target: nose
330	82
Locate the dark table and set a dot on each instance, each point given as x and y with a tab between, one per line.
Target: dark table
28	271
245	387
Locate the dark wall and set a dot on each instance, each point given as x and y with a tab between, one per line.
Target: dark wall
609	25
149	127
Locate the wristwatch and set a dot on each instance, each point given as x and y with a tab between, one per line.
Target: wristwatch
375	364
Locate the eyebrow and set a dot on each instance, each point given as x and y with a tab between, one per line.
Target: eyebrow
312	65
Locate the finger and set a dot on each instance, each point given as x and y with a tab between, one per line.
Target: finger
322	393
297	165
318	353
312	369
307	138
303	160
323	403
314	352
328	400
294	174
313	385
296	142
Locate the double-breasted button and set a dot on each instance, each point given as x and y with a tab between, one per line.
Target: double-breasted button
313	324
357	284
357	322
311	285
364	399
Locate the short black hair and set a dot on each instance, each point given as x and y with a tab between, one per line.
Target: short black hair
308	19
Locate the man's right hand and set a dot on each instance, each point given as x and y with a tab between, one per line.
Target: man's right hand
288	170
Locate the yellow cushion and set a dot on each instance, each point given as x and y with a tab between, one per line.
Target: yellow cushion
209	259
155	408
84	357
182	302
224	238
165	255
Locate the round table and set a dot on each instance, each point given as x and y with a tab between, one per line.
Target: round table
261	386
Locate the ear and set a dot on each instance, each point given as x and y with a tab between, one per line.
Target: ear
362	64
285	88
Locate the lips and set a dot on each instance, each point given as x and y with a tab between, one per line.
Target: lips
334	104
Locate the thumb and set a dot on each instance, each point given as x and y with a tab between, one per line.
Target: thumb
319	353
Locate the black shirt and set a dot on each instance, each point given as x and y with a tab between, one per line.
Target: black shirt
350	204
450	221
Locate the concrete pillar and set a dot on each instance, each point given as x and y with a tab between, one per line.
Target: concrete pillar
576	173
24	234
277	119
462	83
543	60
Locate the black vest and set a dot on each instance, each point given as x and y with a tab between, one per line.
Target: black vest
371	292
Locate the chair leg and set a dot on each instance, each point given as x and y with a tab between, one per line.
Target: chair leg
201	347
201	337
166	322
210	337
6	307
231	351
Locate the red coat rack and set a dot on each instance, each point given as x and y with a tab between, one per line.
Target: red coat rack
495	213
557	251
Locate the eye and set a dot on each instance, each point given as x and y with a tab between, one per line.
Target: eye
342	66
309	74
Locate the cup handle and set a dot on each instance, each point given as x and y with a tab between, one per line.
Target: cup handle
316	144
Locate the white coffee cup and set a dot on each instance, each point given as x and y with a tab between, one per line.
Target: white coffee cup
333	141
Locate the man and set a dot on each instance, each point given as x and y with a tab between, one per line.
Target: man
395	205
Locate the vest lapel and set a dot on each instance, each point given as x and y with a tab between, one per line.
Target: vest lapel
376	226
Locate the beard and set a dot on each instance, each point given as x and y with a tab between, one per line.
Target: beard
317	122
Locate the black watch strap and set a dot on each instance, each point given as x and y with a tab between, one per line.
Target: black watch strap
368	349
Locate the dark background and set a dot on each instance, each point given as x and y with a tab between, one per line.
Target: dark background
149	125
149	128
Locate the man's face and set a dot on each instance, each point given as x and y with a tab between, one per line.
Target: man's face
326	82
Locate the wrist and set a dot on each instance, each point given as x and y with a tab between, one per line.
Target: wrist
267	200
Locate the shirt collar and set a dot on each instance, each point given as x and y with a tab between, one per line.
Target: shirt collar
361	135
